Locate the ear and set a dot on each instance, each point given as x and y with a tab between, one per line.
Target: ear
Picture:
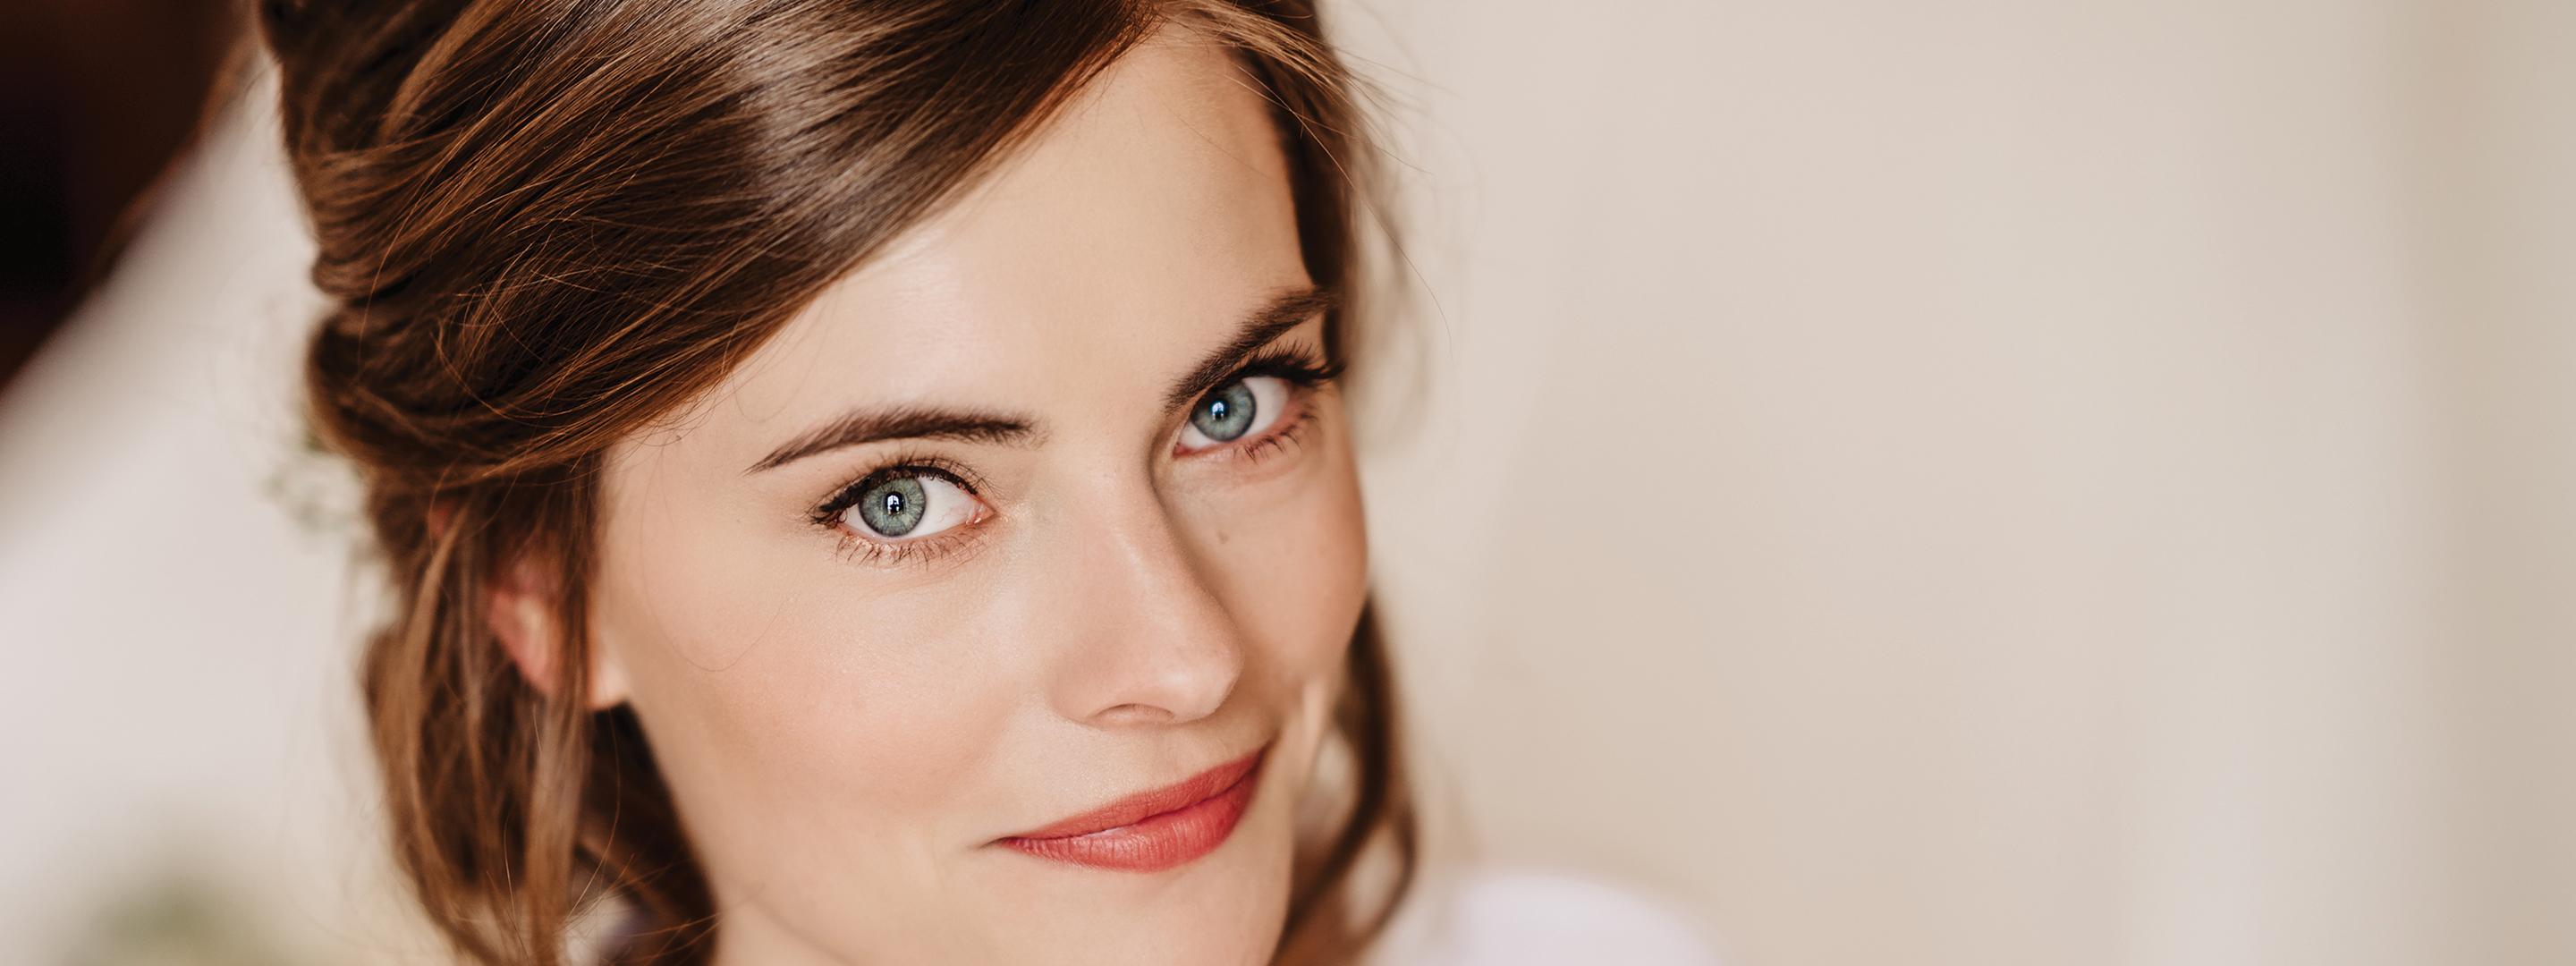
521	602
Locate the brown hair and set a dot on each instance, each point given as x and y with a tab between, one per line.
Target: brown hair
544	224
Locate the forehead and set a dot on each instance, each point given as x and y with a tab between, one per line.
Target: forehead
1126	235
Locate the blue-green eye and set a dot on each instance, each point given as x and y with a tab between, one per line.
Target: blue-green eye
1236	410
1226	413
908	506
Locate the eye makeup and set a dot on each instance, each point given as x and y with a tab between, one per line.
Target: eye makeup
1303	369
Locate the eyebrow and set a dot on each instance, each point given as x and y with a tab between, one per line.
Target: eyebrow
900	422
1283	312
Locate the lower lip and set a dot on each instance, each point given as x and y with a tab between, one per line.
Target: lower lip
1165	841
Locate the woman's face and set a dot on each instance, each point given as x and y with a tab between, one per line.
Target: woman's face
1037	510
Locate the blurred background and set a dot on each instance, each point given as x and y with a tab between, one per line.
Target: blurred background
2070	483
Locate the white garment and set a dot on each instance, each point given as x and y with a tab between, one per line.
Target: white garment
1528	918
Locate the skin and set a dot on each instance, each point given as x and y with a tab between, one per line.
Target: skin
847	734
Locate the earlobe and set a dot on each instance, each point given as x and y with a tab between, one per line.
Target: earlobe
520	606
607	679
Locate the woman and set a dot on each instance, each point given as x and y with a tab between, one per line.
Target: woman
861	481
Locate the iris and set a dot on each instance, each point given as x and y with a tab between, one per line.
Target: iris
1226	413
894	507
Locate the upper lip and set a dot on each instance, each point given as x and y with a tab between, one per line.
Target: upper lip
1149	803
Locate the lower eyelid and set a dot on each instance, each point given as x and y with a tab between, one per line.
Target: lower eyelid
1281	434
946	545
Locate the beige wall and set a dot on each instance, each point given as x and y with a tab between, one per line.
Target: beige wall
1967	483
2494	136
1994	482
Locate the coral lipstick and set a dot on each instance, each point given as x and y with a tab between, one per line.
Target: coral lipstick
1153	830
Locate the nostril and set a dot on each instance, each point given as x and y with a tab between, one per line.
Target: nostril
1136	714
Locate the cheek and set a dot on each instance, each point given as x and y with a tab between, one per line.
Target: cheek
774	701
1295	568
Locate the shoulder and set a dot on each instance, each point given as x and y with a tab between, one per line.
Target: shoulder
1511	917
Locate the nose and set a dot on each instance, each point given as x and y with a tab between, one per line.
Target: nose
1152	642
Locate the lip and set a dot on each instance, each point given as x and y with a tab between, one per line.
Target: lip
1153	830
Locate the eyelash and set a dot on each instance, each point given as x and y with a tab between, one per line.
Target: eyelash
1305	375
892	552
1293	363
1301	369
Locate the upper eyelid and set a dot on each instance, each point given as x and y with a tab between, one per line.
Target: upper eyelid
1286	312
843	497
1281	359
